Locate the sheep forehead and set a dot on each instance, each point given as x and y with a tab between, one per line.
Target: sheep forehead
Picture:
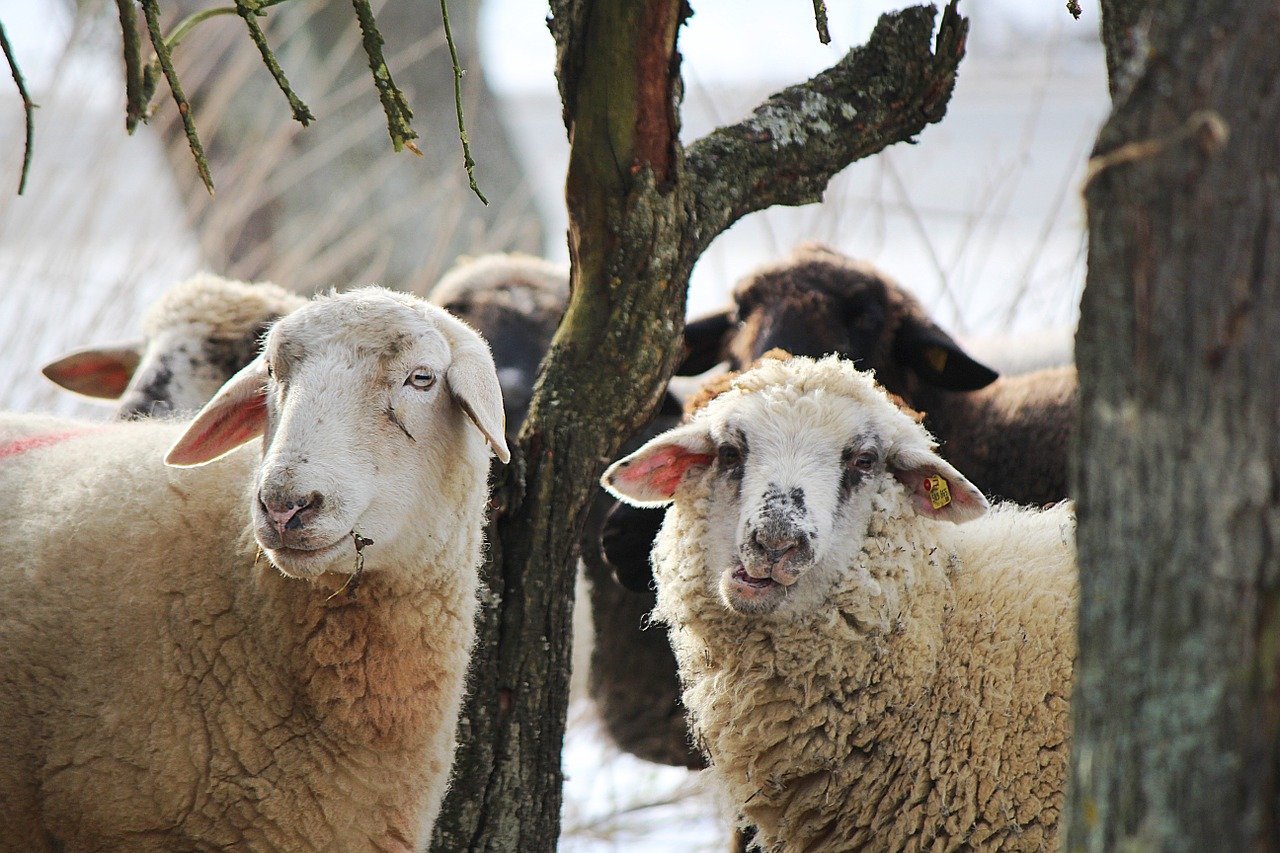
813	271
828	395
218	308
372	324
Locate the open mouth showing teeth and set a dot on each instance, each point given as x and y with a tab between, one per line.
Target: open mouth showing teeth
740	575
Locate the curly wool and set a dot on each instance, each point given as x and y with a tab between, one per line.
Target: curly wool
925	708
229	310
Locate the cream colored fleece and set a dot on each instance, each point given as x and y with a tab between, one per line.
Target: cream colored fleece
926	708
162	689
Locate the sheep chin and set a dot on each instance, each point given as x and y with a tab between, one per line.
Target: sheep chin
297	563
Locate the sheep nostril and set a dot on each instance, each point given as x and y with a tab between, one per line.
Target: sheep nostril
775	548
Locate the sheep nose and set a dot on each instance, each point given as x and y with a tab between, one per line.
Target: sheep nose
290	513
775	547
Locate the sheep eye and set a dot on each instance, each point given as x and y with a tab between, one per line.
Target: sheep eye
421	378
729	455
863	461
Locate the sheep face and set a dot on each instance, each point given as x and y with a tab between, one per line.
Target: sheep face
790	462
195	338
181	368
368	402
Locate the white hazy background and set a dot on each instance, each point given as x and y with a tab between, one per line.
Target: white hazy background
981	219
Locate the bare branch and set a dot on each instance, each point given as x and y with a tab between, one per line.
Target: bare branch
820	16
394	104
151	11
249	10
135	103
468	161
884	92
28	108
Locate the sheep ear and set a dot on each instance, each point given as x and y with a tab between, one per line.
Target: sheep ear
651	475
236	415
473	382
937	489
102	372
937	358
703	342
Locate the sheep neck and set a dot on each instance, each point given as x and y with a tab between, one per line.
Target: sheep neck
378	667
787	708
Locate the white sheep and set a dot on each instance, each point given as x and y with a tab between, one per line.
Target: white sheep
195	337
266	651
861	673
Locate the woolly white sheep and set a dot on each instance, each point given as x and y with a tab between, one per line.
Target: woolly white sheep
266	651
195	338
862	673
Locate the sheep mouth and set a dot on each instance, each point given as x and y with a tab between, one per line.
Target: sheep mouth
306	562
740	576
751	596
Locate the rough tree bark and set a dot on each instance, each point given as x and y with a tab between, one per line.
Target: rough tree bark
1122	26
641	210
1177	702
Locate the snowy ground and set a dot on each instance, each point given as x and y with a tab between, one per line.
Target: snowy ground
982	219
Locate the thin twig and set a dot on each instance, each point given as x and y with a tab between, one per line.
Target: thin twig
820	16
249	10
151	12
28	109
467	161
135	104
393	101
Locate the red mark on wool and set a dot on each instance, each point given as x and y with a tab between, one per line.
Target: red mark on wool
34	442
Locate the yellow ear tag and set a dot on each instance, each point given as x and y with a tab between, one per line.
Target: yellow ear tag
939	493
937	358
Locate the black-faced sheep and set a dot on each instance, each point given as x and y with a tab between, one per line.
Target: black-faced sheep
862	672
256	653
516	302
817	302
195	337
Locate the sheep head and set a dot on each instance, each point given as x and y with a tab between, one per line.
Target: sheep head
790	461
195	337
368	402
817	302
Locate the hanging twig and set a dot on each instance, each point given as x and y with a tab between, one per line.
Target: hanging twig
393	101
820	15
467	161
151	12
28	108
135	104
249	10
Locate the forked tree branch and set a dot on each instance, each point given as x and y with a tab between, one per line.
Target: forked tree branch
786	153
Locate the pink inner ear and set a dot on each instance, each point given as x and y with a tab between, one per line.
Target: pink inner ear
961	497
242	423
92	373
660	472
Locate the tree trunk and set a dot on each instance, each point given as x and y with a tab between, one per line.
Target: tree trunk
1122	21
1177	702
641	211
